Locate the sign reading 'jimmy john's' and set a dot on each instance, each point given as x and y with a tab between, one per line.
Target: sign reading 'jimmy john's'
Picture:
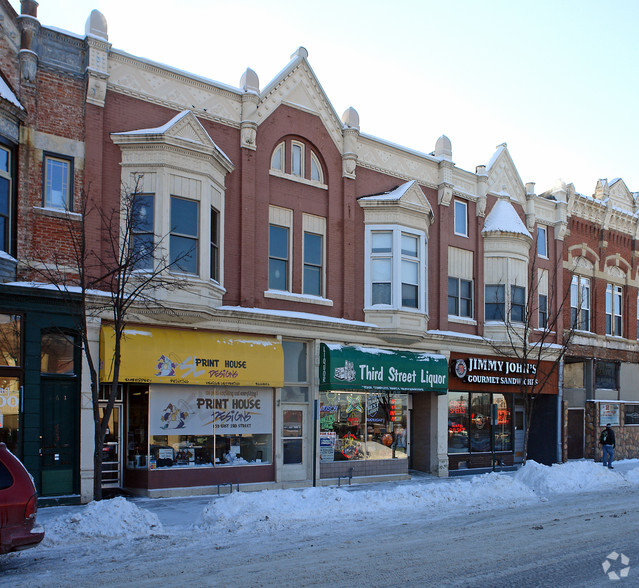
504	372
368	368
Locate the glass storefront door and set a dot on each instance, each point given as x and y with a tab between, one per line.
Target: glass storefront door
111	462
293	445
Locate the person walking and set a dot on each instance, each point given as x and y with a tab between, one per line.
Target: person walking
607	442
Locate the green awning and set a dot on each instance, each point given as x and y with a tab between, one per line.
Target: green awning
369	368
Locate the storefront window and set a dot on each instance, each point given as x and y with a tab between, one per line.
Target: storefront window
362	425
10	355
480	422
137	436
458	422
477	422
502	429
200	426
631	414
9	412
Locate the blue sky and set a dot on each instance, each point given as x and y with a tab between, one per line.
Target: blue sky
555	80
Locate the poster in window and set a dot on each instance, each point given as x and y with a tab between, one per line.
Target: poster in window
609	414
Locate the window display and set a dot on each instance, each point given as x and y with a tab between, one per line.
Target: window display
470	423
195	426
362	425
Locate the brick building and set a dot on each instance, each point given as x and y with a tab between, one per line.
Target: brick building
344	305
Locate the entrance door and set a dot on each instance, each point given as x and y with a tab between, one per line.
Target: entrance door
294	446
111	464
59	437
519	433
575	433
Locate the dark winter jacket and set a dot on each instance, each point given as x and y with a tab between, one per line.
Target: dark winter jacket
607	437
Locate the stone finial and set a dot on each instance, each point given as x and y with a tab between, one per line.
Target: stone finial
530	188
301	52
444	148
96	26
351	118
249	81
29	8
602	190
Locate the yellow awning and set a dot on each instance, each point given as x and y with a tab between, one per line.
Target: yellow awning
180	356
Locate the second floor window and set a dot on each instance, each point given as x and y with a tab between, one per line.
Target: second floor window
614	306
6	191
215	245
543	311
184	235
495	303
460	297
580	303
142	227
517	304
278	257
312	278
396	269
57	182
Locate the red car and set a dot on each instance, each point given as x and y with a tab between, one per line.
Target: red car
18	505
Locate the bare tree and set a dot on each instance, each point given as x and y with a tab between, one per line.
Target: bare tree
115	265
537	345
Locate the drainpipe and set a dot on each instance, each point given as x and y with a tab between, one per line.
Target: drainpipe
560	411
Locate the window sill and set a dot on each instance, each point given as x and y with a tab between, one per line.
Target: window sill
461	320
57	213
300	179
292	297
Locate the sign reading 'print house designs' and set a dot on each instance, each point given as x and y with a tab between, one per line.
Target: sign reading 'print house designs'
178	356
189	410
367	368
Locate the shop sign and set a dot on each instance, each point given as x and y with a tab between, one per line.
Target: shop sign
609	413
367	368
177	356
189	410
500	372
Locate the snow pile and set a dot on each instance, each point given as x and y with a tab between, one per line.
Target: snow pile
578	476
115	518
277	509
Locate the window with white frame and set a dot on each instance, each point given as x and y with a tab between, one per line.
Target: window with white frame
316	169
461	218
58	182
143	231
6	197
614	310
277	159
460	283
297	159
542	298
517	304
279	248
183	245
542	241
313	255
214	272
495	302
396	267
580	303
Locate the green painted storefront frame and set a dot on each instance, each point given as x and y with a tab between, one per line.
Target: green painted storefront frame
345	367
42	310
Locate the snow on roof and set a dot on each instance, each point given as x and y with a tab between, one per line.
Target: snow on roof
7	94
503	218
157	130
497	153
299	315
395	194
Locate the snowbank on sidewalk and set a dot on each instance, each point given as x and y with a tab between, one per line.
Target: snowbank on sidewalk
271	510
115	518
